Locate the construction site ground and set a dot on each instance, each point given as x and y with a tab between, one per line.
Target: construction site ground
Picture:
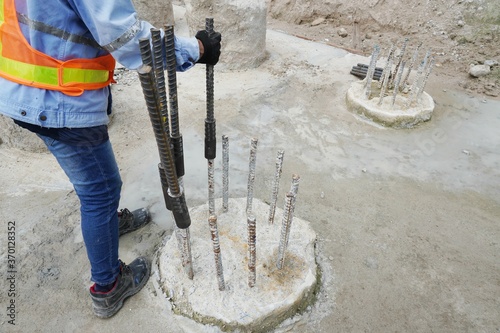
407	220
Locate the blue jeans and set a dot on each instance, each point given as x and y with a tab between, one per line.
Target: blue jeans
96	179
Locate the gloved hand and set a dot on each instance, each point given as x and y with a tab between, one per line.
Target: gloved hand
211	44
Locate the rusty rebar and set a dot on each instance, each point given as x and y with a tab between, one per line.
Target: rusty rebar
214	232
276	184
184	244
252	249
251	174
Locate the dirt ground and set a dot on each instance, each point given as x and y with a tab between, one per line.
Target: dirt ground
407	220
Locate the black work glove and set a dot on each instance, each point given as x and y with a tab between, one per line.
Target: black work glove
211	44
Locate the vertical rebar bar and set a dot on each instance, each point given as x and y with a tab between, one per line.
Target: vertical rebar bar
214	232
225	173
385	82
397	82
400	60
386	73
426	77
252	249
276	184
371	70
285	230
184	244
410	66
160	75
294	188
210	129
416	82
251	174
288	211
176	136
211	187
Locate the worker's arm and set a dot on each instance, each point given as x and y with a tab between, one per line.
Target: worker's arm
116	27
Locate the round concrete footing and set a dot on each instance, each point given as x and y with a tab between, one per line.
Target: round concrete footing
397	115
277	294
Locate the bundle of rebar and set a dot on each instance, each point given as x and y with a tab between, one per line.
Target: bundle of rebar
153	86
360	70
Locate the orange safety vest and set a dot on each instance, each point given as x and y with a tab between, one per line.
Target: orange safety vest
21	63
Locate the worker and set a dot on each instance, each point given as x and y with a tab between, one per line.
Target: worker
56	65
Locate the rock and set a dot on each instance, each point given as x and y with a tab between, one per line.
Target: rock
460	23
479	70
342	32
317	21
491	63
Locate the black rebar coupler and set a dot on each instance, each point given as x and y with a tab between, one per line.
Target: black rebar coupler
164	186
180	211
210	139
178	155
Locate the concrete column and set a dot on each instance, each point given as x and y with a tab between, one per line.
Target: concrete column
156	12
242	24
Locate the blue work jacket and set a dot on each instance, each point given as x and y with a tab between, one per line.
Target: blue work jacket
68	29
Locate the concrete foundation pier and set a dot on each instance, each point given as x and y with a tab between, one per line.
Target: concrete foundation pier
276	295
397	115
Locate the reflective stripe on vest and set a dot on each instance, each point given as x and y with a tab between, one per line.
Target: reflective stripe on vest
21	63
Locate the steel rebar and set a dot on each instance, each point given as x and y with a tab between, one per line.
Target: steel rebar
285	230
184	244
214	232
361	73
410	66
426	77
371	69
175	192
288	211
175	134
211	187
400	60
416	82
252	249
386	73
397	82
386	77
225	173
160	75
251	174
276	184
210	130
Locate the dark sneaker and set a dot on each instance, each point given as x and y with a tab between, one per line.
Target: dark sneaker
129	221
131	279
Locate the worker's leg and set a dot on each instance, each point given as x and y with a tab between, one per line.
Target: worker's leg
94	174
